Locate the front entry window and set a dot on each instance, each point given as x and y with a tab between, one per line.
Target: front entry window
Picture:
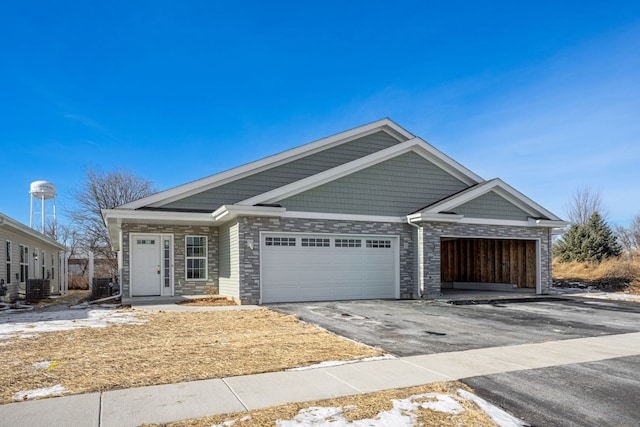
196	258
166	254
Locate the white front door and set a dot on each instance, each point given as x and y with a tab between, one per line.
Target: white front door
151	265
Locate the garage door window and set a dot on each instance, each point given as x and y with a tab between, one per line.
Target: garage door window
315	243
280	241
378	243
348	243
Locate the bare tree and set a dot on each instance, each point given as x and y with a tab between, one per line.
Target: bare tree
629	237
103	190
584	203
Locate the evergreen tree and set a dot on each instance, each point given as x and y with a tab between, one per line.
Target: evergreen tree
592	241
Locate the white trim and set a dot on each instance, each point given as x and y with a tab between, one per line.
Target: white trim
396	255
222	178
415	145
342	217
226	212
111	215
206	258
538	241
160	237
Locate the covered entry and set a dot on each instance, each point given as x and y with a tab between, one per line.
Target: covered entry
491	264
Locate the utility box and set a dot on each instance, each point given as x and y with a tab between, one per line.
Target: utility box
37	289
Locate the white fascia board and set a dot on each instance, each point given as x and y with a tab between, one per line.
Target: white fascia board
415	145
216	180
121	215
547	223
7	221
448	164
228	212
433	217
342	217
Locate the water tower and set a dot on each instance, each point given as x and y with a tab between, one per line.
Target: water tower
42	191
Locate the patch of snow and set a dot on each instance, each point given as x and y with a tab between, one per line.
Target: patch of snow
611	296
230	423
28	325
331	363
500	417
56	390
44	365
401	415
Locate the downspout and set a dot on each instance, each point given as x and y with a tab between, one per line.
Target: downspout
420	259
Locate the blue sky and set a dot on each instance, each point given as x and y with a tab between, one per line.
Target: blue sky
545	95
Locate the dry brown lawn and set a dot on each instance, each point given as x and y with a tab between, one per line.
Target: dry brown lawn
358	407
609	271
169	348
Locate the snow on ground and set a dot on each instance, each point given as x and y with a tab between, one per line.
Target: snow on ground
403	413
596	294
29	324
331	363
56	390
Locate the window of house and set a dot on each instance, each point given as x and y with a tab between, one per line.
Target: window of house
315	242
348	243
44	264
196	257
8	261
53	267
280	241
379	243
24	263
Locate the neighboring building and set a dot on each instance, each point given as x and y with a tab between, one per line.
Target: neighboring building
373	212
28	254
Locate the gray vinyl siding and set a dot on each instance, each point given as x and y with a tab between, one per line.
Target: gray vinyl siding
491	206
17	238
396	187
229	284
278	176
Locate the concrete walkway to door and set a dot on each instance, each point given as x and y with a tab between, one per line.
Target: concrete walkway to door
173	402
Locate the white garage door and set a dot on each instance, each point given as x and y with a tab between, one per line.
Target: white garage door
320	267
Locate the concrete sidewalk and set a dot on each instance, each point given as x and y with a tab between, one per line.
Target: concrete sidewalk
173	402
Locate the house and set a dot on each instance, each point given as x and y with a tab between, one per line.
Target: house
372	212
27	254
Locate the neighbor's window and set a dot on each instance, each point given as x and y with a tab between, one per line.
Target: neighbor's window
196	257
53	267
24	263
8	259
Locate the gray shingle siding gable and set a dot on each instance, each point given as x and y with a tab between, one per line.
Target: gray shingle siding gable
395	187
278	176
491	206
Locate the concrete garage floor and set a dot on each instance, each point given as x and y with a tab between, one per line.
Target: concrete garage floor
598	393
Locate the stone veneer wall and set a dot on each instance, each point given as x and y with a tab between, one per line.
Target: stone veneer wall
179	232
432	232
249	247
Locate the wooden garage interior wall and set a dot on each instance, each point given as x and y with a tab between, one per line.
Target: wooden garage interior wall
489	261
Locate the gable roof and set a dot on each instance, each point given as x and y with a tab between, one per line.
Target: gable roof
444	210
177	193
415	145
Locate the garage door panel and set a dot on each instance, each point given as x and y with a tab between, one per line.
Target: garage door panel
320	273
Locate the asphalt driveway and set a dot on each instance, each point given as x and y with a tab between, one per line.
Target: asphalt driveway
601	393
407	328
